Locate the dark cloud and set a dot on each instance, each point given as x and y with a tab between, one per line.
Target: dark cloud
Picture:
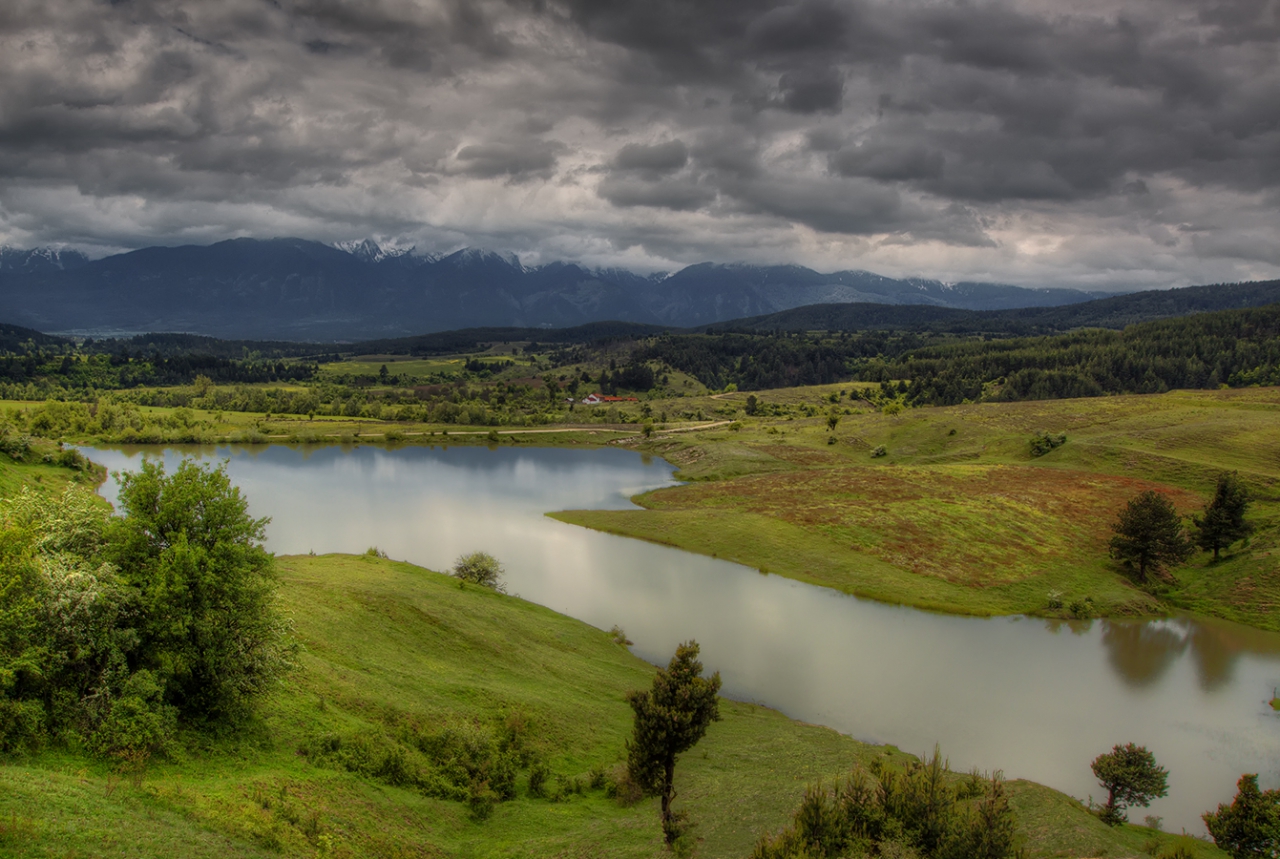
518	161
1020	139
812	90
889	162
676	195
656	158
800	27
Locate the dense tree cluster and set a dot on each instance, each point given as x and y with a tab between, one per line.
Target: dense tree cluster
757	361
118	629
1234	348
124	370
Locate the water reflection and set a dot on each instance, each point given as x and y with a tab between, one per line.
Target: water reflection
1141	652
1036	699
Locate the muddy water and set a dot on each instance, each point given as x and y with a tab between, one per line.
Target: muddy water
1035	698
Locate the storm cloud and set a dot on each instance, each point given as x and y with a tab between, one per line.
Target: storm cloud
1111	143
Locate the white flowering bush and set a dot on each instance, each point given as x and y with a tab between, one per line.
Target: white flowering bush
116	628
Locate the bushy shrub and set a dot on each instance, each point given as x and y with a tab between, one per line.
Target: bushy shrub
915	813
115	628
539	772
138	724
480	568
1043	442
462	762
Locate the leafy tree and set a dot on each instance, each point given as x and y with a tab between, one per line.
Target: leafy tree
205	588
1132	777
1149	536
480	568
1223	520
669	719
1250	826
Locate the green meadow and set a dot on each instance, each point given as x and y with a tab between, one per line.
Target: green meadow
957	514
389	651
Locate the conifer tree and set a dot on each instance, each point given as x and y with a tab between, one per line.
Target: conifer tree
669	719
1223	521
1149	536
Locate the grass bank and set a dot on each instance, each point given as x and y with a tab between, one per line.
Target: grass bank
957	514
392	652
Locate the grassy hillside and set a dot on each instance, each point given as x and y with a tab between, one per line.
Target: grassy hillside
958	514
391	649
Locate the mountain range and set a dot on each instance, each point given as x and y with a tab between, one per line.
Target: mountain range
294	289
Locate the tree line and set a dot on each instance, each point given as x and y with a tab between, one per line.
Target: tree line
1235	348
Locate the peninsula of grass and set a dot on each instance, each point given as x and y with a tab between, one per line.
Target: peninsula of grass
958	515
387	645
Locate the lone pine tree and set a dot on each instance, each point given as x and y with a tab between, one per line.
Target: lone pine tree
1223	521
669	719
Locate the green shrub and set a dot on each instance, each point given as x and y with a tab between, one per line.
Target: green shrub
480	568
21	725
539	772
138	724
915	813
1043	442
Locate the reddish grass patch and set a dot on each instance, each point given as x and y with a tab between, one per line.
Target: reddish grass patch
978	525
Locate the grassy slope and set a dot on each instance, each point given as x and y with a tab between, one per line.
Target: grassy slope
959	516
385	639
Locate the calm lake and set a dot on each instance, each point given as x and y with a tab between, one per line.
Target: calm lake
1037	699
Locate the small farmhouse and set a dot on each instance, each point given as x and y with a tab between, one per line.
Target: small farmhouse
598	399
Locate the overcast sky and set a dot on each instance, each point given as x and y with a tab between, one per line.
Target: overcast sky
1094	143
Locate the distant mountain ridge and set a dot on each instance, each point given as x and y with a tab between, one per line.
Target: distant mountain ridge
35	260
1117	311
294	289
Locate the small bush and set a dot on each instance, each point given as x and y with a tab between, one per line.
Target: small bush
539	772
624	789
481	800
1043	442
878	451
1082	609
480	568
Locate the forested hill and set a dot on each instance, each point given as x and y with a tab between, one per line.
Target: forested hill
1231	347
1237	348
1114	312
471	339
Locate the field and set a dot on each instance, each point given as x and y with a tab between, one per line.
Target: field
957	514
386	645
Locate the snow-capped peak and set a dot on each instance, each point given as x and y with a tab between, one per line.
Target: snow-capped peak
469	256
39	259
370	251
